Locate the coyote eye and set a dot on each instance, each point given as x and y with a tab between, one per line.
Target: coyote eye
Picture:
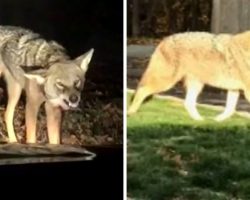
77	84
60	86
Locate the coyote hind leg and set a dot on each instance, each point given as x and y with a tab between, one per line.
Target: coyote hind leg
147	88
193	89
160	75
140	95
232	98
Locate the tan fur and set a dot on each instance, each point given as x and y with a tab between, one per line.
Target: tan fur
46	73
198	58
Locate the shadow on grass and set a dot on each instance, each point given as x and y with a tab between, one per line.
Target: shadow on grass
169	161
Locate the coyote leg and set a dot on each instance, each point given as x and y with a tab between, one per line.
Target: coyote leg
160	75
145	90
31	112
232	98
140	95
33	102
193	90
54	119
14	93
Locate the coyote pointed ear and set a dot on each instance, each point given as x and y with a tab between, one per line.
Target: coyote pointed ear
38	78
84	60
38	75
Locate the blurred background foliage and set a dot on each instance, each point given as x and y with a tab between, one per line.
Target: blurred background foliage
158	18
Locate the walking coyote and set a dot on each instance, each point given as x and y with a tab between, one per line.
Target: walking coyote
198	58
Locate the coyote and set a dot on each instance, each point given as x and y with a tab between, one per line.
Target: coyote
46	73
198	58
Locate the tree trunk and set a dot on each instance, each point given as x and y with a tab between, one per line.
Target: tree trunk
230	16
135	18
216	16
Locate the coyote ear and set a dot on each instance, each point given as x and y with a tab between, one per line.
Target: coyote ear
38	74
38	78
84	60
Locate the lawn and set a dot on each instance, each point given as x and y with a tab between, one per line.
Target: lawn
170	156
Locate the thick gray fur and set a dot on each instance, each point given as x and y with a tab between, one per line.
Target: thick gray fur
23	49
44	70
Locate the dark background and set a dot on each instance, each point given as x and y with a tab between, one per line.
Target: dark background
157	19
78	25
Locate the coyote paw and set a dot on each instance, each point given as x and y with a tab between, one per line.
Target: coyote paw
196	117
130	112
221	118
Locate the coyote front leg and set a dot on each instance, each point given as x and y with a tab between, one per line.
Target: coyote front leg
34	99
14	93
54	119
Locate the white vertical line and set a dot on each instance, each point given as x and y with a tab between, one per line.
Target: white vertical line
125	99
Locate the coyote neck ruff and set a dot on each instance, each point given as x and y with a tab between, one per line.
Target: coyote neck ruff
24	48
44	70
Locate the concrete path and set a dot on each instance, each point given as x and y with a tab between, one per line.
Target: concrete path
139	51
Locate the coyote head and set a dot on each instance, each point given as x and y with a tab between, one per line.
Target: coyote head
63	82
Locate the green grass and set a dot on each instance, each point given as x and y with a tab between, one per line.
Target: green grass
170	156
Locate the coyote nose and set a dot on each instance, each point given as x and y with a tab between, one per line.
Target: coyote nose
73	98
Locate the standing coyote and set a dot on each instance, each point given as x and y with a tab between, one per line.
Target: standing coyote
46	73
198	58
